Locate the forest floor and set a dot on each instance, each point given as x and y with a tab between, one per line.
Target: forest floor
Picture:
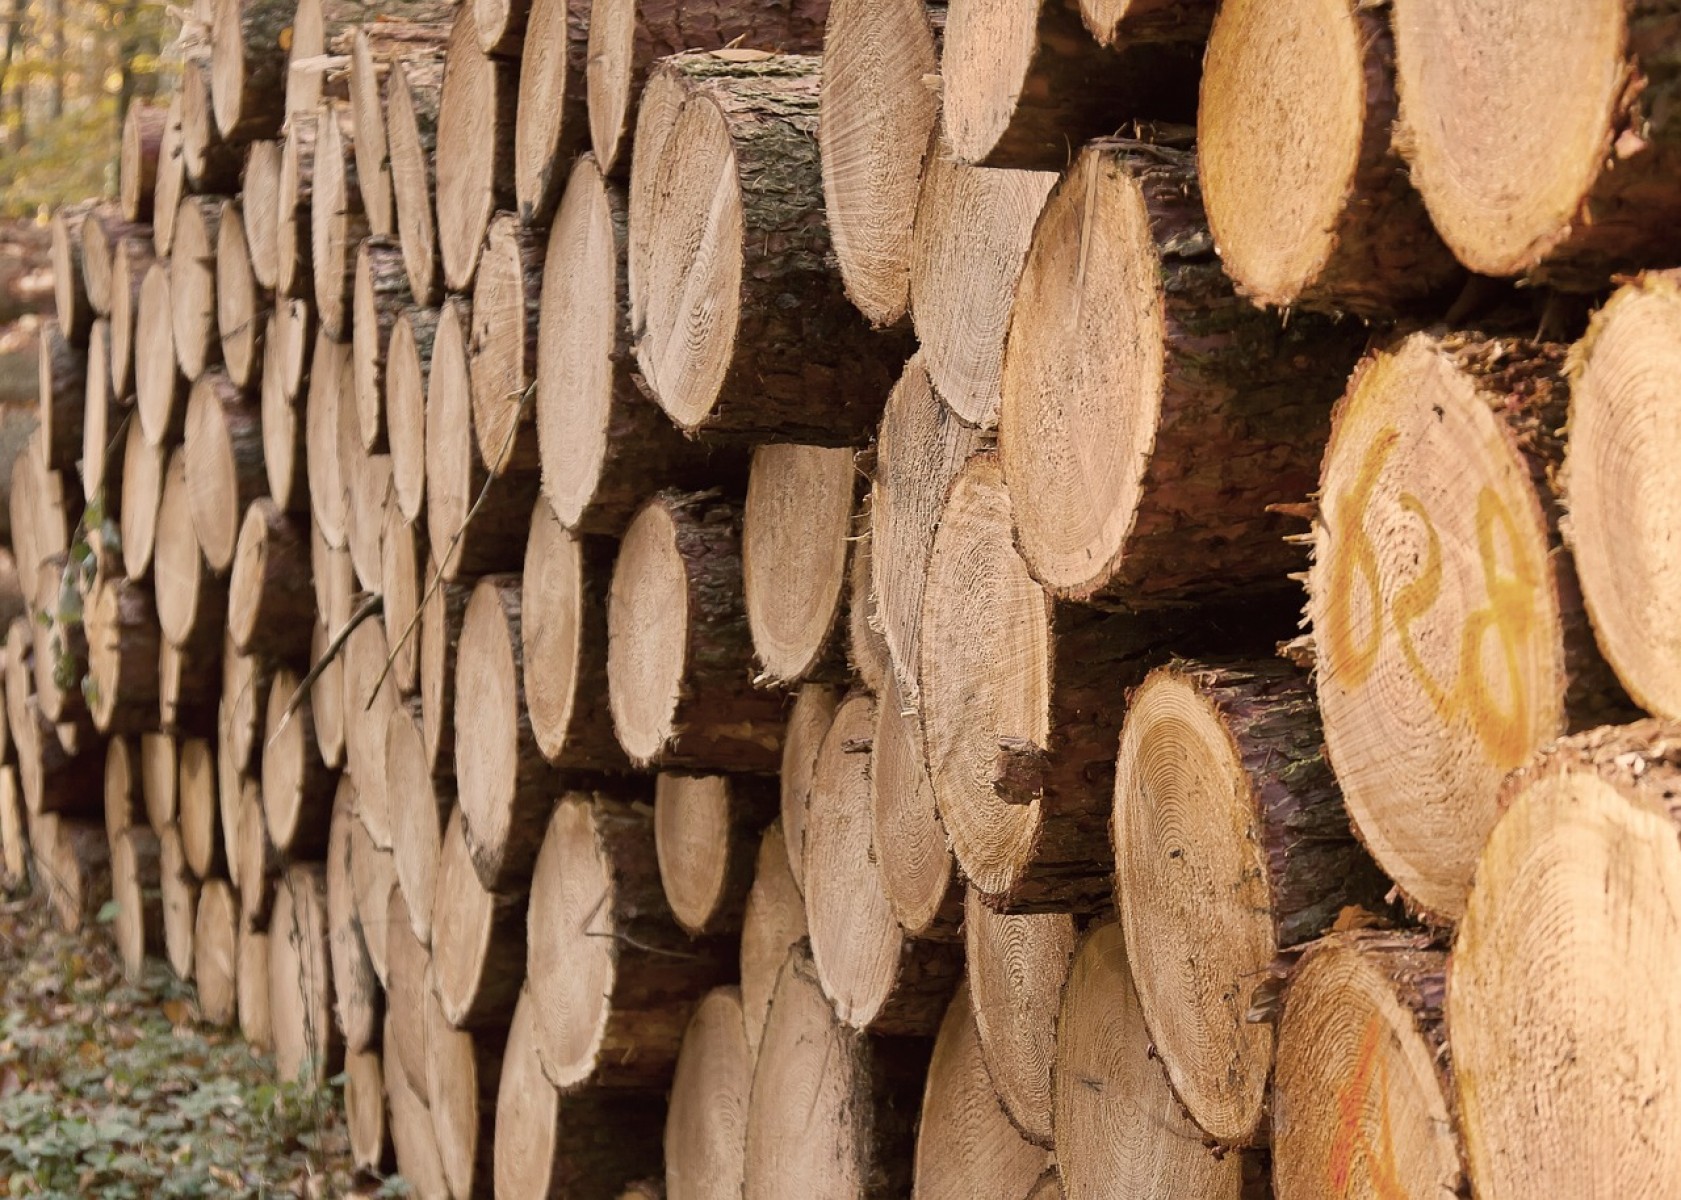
111	1088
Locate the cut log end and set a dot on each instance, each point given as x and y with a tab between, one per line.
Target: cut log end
773	922
908	841
706	831
706	1123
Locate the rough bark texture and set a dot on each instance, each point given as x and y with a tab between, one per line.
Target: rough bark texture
249	39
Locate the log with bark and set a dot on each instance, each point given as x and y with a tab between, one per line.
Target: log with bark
248	44
307	1046
198	810
160	389
364	1112
610	974
357	996
192	604
412	91
809	718
1448	626
772	924
440	632
223	460
679	669
211	161
420	808
478	938
123	639
298	785
142	491
62	395
1142	458
242	304
551	124
1231	844
170	180
706	836
408	363
271	605
474	149
138	158
99	469
179	888
260	191
907	840
463	1070
129	265
337	224
138	924
402	561
74	312
329	494
61	645
294	205
381	296
216	953
878	979
706	1122
72	864
503	341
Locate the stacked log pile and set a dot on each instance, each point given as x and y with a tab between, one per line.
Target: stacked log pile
706	599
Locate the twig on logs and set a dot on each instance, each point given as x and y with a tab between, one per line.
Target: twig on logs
369	607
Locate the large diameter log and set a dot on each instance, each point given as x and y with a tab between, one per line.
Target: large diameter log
129	266
123	639
1568	186
795	541
563	645
610	973
216	953
199	810
381	296
908	842
603	442
1612	470
70	293
248	44
553	1144
833	1110
974	227
192	605
920	449
503	360
412	92
408	363
223	460
137	159
179	887
192	284
61	377
876	128
965	1144
271	605
337	224
356	991
137	515
159	387
679	673
170	183
1566	942
1363	1072
506	786
138	925
1017	966
475	149
420	807
297	785
726	224
1231	844
706	1123
1120	1131
878	979
1308	199
552	121
773	922
1142	458
307	1046
463	1070
1023	81
706	836
478	938
242	305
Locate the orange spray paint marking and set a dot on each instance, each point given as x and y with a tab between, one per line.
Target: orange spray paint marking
1352	1143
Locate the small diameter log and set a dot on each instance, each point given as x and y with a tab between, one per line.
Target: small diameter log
137	159
192	605
179	889
1566	942
706	836
506	785
706	1123
138	925
563	643
212	162
1308	199
242	305
475	149
420	808
877	979
123	639
412	91
774	921
297	784
412	1134
809	719
293	238
253	990
192	284
249	40
375	55
326	699
375	876
1017	966
795	538
678	656
72	865
199	809
62	396
726	222
122	786
142	492
216	953
1567	186
478	939
974	226
329	495
877	118
551	126
866	649
462	1073
1023	82
224	464
160	779
408	980
603	441
100	470
1202	410
307	1047
611	975
103	230
356	991
262	220
70	293
456	477
15	855
231	779
908	842
129	266
337	224
245	687
440	632
171	181
408	363
1120	1131
1438	474
364	1112
1363	1073
381	296
628	37
1231	844
271	605
503	342
61	646
160	389
1613	469
188	685
367	708
285	428
965	1145
402	562
259	862
833	1110
553	1144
